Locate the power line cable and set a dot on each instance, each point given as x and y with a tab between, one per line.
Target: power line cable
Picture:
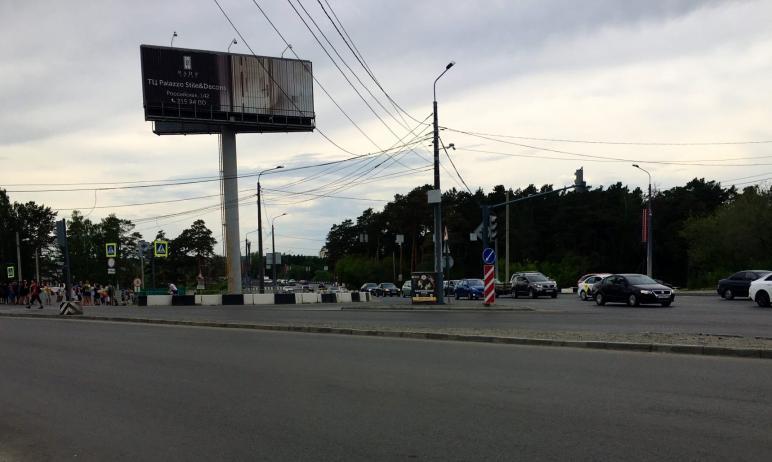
360	58
606	160
622	143
454	166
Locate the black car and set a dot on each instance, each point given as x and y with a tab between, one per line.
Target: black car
369	287
533	284
737	285
633	289
387	289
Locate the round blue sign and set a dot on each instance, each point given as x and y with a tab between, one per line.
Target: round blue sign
489	256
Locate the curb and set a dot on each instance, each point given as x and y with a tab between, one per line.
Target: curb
598	345
430	308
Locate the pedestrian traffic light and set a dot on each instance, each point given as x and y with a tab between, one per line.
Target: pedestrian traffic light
579	184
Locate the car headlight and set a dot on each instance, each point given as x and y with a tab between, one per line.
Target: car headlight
538	286
646	292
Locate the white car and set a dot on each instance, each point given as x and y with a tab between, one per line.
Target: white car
761	290
585	283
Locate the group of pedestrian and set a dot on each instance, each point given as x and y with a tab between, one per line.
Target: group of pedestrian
26	293
94	294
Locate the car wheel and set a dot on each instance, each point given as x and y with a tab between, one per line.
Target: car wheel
457	297
514	293
583	296
600	300
534	294
728	294
665	304
762	298
632	300
555	295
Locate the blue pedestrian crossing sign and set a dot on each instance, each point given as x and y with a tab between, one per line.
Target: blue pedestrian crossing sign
161	249
489	256
11	272
111	250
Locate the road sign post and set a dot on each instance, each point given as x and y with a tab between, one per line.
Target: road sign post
161	248
489	271
489	295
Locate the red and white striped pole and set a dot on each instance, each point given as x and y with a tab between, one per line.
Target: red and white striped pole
489	297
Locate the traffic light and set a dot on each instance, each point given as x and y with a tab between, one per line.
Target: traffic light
579	184
492	225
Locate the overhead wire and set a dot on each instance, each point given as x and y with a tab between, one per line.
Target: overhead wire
361	59
620	143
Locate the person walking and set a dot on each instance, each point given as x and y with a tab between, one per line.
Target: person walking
23	293
34	294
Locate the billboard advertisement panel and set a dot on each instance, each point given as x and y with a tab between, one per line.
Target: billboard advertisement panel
197	91
423	287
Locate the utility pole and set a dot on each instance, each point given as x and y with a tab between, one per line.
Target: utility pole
18	255
439	289
273	250
37	266
261	276
506	234
649	229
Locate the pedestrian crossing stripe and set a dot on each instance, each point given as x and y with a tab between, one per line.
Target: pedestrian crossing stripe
161	248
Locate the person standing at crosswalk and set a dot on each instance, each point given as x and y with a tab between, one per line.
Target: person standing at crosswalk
34	294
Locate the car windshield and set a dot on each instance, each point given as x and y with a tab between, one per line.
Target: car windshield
536	277
640	279
371	284
389	285
475	282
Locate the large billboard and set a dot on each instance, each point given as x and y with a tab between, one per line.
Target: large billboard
196	91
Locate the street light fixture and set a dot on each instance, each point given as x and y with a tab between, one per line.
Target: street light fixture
171	43
273	250
232	42
649	229
437	204
261	282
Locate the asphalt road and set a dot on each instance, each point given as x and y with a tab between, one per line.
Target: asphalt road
112	391
693	315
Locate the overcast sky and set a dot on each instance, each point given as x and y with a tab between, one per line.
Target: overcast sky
626	71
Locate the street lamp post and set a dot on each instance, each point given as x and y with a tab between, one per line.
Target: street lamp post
438	204
649	229
273	251
261	282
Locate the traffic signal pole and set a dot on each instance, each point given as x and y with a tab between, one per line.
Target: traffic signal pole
579	185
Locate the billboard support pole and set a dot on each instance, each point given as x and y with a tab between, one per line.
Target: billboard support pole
231	205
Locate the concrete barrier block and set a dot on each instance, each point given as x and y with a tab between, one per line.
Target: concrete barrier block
211	300
309	298
261	299
285	299
199	300
159	300
344	297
